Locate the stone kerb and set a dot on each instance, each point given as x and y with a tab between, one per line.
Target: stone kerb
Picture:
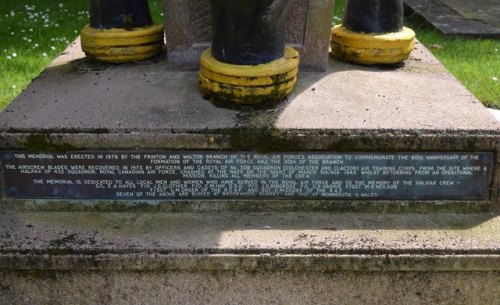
188	31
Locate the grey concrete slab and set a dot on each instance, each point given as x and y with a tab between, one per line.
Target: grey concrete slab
252	233
277	258
487	11
252	288
78	95
460	17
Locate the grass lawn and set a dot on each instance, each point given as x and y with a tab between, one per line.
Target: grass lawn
475	62
33	32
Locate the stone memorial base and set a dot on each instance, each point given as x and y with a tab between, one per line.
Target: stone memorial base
410	218
249	258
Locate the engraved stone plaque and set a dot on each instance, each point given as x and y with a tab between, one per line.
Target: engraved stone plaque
162	175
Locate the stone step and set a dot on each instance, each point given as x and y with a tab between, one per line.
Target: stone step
235	258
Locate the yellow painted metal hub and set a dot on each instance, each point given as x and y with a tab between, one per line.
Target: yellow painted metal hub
246	84
371	49
121	45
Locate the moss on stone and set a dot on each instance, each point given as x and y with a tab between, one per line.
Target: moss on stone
38	142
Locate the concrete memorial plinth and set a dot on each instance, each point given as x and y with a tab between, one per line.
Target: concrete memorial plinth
85	121
84	218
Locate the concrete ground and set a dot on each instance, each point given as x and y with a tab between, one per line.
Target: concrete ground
479	18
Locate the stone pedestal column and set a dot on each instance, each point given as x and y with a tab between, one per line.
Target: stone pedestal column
121	31
372	33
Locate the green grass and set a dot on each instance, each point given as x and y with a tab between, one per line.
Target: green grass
34	32
475	62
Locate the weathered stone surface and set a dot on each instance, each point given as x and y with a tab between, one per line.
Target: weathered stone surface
229	287
264	253
486	10
155	97
287	258
416	107
188	31
87	233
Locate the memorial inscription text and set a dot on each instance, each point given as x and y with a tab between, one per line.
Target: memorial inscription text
238	175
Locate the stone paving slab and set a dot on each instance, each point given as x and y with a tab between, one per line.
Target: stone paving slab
94	234
479	18
487	11
246	280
